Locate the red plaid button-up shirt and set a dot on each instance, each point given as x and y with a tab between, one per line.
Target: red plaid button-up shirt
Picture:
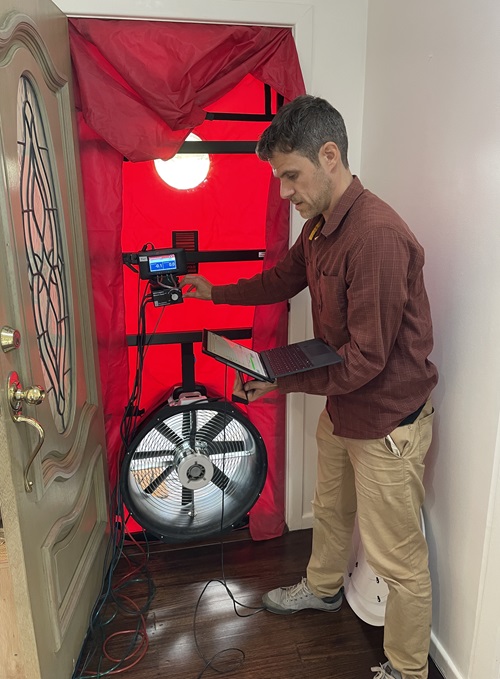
363	268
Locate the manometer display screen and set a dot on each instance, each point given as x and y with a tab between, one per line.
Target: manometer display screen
162	264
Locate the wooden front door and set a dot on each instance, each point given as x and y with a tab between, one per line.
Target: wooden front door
53	479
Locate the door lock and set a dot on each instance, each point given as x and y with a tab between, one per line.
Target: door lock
9	339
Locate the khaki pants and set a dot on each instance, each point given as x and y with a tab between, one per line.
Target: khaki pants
381	480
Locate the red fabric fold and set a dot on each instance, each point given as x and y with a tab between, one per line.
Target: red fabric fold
141	87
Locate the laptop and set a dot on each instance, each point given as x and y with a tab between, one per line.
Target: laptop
272	363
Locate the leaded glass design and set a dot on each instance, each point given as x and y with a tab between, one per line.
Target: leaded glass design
44	251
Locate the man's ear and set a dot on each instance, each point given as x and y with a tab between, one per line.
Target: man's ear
330	154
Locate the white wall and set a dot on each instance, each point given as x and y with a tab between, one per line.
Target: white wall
431	147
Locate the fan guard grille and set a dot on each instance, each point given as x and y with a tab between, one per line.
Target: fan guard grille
193	471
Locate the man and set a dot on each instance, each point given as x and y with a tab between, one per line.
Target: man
363	267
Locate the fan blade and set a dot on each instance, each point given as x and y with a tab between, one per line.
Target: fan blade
159	479
220	479
189	427
213	428
228	447
168	433
146	454
187	496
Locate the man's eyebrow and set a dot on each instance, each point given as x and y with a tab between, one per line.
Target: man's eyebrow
285	173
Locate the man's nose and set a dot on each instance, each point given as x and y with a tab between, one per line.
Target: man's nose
286	191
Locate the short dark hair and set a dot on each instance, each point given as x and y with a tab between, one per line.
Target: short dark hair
303	126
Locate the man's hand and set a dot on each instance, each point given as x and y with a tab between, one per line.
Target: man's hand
253	389
199	287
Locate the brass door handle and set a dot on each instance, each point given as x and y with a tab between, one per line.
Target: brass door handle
28	485
32	396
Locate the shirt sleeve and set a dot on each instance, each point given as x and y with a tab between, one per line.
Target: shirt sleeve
378	278
281	282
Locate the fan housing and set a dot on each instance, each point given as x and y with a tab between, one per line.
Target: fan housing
193	471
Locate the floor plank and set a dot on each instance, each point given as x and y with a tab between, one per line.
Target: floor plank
306	645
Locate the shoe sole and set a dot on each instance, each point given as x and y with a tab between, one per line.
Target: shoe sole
272	608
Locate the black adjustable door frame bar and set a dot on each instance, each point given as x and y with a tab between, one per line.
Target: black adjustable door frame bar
216	147
207	256
224	255
228	147
188	337
241	117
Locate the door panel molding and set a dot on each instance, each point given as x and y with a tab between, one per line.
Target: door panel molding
72	546
59	466
19	30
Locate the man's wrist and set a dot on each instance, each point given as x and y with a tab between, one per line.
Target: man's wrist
215	294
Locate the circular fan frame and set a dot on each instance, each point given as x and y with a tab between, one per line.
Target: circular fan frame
193	471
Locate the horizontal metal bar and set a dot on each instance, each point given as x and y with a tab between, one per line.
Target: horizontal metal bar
189	337
244	117
218	147
208	256
224	255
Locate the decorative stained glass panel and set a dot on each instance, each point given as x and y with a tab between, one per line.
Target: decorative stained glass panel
44	251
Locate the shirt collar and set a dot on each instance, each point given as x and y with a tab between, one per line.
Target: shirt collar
347	200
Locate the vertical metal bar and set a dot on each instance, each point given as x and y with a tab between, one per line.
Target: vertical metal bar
267	100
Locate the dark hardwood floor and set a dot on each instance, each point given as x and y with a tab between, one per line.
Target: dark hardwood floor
307	645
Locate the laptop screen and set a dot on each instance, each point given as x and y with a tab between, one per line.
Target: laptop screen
241	357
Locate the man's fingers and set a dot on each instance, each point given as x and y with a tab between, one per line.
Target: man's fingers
186	281
199	287
256	388
238	389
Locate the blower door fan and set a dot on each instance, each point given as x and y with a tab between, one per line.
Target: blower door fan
193	471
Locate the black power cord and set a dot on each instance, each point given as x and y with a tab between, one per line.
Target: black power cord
112	600
236	655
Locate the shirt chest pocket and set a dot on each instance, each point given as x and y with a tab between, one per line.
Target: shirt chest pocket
332	300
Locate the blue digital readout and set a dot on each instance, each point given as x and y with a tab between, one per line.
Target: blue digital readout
162	264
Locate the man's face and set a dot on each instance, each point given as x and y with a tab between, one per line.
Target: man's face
307	186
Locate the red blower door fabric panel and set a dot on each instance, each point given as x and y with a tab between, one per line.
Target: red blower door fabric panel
140	88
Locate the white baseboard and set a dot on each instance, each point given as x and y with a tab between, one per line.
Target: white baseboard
443	661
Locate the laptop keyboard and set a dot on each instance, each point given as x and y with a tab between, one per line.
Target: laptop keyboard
287	359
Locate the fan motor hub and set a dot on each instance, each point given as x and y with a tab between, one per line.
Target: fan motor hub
195	470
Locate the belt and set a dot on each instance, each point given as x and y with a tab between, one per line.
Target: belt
411	418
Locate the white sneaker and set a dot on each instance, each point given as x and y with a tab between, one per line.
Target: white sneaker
385	671
286	600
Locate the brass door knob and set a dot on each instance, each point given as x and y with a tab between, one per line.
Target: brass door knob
33	396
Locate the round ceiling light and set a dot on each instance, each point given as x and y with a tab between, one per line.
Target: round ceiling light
184	170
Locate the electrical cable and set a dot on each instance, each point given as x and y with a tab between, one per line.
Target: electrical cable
96	647
239	655
97	641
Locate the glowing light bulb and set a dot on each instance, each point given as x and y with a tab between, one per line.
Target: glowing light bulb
184	170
